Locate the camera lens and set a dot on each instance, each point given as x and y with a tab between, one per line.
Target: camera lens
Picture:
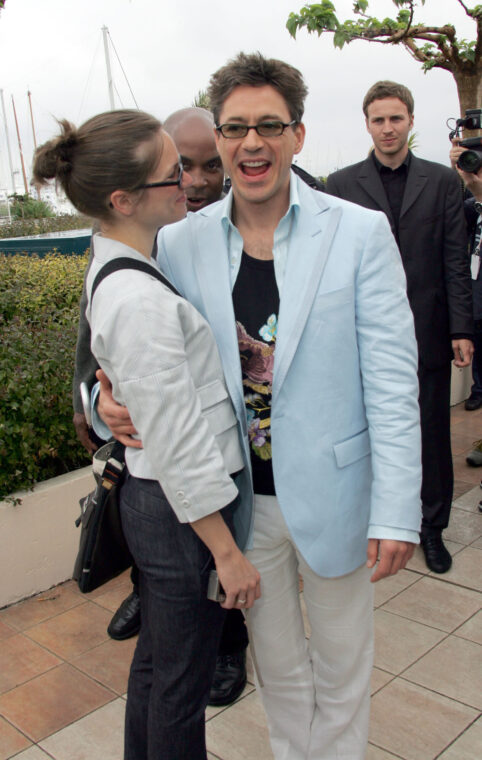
470	161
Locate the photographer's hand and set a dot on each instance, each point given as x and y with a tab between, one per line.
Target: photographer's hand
455	152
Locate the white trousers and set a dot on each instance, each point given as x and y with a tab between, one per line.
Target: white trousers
316	693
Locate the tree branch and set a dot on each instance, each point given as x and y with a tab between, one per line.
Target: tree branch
423	57
405	33
467	10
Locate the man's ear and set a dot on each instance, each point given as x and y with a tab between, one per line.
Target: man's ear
300	132
123	202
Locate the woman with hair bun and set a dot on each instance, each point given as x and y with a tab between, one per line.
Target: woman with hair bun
178	500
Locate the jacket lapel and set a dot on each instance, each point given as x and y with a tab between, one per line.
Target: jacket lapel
416	181
369	179
211	264
308	251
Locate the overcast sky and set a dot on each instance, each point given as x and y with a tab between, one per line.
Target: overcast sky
169	49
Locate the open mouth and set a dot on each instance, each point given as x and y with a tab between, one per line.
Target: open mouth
254	168
196	203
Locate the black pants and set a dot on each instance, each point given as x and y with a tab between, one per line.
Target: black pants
437	469
234	638
175	656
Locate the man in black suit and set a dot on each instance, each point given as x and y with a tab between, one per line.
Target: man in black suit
423	203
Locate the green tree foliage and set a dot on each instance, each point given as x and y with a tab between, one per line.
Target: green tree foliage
39	314
432	46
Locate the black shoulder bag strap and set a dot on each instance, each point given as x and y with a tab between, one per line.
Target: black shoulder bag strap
125	262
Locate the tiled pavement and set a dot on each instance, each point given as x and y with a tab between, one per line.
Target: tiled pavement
63	681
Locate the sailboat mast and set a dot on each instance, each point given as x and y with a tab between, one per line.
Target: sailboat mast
20	149
8	142
110	83
29	95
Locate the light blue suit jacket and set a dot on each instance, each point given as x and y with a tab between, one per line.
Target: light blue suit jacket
345	419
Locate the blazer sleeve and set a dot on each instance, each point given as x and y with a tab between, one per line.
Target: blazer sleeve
140	341
388	363
456	262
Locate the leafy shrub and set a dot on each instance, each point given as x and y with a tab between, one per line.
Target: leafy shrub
21	227
26	207
39	312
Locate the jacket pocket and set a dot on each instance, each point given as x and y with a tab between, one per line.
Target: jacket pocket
216	406
352	449
333	299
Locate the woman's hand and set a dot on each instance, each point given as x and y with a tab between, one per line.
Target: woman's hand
238	577
240	581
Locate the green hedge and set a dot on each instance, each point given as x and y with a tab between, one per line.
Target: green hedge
21	227
39	312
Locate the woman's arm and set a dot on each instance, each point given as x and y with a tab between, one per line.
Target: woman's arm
239	578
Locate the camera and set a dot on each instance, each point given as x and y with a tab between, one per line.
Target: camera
471	159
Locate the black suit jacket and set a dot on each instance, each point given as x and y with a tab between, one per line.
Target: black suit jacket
433	247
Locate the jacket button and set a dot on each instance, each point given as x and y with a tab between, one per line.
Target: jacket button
186	503
180	494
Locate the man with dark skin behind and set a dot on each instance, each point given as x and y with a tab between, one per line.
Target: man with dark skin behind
192	131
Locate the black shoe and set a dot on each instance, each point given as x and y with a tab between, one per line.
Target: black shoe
127	620
229	679
437	556
473	403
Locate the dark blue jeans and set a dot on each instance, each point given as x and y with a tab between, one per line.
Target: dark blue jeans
175	657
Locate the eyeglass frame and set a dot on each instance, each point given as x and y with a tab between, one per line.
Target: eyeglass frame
165	183
219	128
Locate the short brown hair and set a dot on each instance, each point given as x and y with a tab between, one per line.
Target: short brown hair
99	157
387	89
254	70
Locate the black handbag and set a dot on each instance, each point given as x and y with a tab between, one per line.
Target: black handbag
103	552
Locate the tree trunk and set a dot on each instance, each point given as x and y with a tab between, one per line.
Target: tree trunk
469	88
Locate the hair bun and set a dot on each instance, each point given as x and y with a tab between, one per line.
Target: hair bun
53	160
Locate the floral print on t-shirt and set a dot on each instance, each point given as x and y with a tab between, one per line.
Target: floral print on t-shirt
257	360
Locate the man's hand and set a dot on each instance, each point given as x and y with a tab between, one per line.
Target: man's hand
463	351
82	430
115	416
455	151
393	556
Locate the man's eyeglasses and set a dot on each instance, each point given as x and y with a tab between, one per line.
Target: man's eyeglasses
264	129
165	183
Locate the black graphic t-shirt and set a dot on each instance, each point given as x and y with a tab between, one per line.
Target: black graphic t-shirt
256	307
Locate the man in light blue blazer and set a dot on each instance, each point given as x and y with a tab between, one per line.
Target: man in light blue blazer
306	296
